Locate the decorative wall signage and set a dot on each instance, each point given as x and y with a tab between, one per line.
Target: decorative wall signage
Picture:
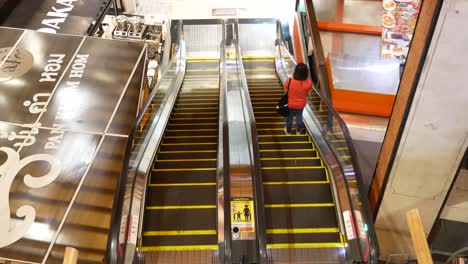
52	16
9	232
57	111
19	62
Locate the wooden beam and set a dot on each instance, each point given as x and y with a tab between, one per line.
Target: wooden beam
349	28
409	81
71	256
418	237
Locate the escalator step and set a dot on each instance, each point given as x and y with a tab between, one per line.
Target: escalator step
180	219
181	240
188	147
290	162
181	195
304	238
209	73
248	64
194	115
193	125
190	139
182	177
198	101
269	109
187	155
274	118
191	97
288	154
267	99
264	82
285	145
267	113
285	175
196	110
283	138
297	194
182	120
191	132
314	173
185	163
273	131
306	217
196	91
271	92
257	104
189	104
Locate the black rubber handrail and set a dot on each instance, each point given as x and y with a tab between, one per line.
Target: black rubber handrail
114	230
223	171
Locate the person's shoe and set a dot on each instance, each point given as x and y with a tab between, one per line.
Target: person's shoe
286	132
298	133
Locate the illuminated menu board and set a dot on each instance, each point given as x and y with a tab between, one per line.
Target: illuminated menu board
398	22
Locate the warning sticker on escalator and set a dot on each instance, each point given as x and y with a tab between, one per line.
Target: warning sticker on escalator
242	215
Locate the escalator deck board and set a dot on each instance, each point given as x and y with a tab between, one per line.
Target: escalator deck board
180	210
299	205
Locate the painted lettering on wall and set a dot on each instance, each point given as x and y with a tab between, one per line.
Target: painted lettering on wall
10	231
36	105
24	138
57	16
17	62
53	66
68	103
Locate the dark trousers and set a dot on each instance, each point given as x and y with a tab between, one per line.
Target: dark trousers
289	119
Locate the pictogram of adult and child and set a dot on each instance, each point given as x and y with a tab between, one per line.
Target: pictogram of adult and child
245	216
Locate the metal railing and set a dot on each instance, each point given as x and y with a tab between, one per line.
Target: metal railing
354	207
144	137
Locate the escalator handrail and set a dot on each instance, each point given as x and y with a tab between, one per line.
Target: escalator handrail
255	152
117	212
223	156
354	164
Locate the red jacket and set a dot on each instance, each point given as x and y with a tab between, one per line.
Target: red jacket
297	94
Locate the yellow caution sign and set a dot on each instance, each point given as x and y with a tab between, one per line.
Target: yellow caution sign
231	53
242	215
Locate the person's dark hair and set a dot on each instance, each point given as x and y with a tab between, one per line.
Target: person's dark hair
301	72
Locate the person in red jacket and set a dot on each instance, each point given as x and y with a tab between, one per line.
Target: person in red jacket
297	87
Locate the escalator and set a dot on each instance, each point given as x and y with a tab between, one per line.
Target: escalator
180	211
300	211
302	215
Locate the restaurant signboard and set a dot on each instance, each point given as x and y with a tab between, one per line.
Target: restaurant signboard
398	23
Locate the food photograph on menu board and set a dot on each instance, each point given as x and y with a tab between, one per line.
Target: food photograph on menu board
398	23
